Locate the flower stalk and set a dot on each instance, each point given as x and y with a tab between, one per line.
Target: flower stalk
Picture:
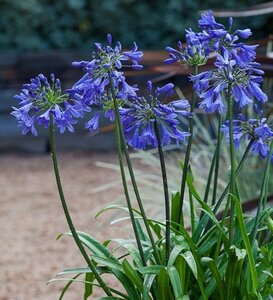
67	214
166	195
232	190
123	177
187	156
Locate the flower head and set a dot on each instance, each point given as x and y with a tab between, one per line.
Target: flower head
221	39
194	53
255	129
41	98
243	81
94	88
143	113
213	37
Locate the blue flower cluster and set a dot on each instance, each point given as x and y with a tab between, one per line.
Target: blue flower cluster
147	120
194	53
40	98
235	65
144	113
93	89
255	129
102	83
244	84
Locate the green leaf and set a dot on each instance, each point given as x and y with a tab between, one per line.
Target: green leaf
175	206
175	252
180	266
94	246
240	217
147	284
191	262
74	270
175	282
110	207
132	250
127	284
132	274
163	285
112	264
206	209
155	269
196	270
88	287
215	272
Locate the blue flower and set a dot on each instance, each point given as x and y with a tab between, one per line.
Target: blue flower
221	39
39	99
214	37
143	113
194	53
94	89
208	22
244	82
255	129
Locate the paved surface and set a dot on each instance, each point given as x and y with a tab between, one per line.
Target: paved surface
31	218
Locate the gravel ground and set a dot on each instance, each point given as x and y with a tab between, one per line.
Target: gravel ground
31	218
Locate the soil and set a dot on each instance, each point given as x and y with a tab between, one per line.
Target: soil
31	218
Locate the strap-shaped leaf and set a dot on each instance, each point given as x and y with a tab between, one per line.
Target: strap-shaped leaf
175	252
147	284
215	272
132	274
176	283
163	285
88	287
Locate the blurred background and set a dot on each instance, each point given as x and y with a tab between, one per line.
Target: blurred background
46	37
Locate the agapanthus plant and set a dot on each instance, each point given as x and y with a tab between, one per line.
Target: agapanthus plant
228	257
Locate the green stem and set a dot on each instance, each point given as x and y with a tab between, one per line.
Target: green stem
192	212
166	194
132	176
263	196
67	214
138	198
204	223
214	165
206	195
217	160
187	157
118	131
127	197
232	162
238	169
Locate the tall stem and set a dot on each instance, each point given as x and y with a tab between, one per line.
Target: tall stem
214	166
187	157
132	176
166	194
127	197
219	139
118	131
238	169
140	205
263	196
232	162
67	214
204	223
